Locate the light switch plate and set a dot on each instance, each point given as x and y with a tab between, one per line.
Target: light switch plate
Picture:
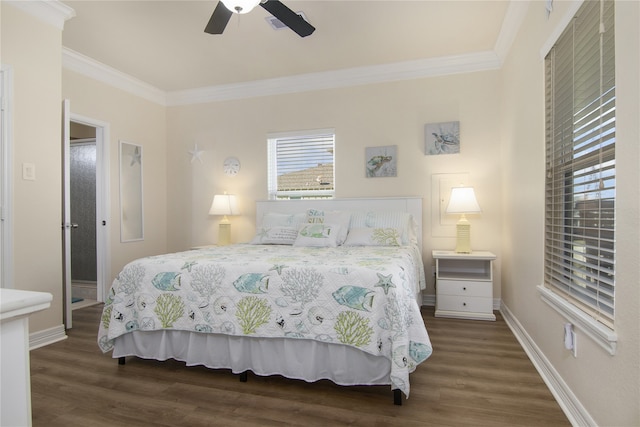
29	171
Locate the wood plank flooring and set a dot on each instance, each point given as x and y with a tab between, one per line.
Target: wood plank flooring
478	375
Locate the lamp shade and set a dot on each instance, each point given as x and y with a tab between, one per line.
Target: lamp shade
463	201
224	204
240	6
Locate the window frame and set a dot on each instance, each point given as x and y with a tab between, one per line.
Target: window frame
298	137
562	186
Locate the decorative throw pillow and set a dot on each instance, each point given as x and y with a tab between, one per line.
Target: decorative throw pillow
373	237
270	219
275	235
402	221
318	235
341	218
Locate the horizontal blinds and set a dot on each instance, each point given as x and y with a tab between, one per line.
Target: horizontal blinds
302	166
580	158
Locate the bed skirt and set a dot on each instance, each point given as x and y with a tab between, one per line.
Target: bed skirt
300	359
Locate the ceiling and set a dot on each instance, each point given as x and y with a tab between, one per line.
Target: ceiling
163	43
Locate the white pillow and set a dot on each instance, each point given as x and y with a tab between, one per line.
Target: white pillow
373	237
275	235
318	235
341	218
403	221
270	219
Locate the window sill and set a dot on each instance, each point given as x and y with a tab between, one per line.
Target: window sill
603	336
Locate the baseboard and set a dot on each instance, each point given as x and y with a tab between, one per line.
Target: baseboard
46	337
429	300
571	406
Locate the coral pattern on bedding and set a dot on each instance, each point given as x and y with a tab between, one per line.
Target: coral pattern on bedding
356	296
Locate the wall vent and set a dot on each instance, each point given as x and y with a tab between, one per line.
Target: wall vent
277	24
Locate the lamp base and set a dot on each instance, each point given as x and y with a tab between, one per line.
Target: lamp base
463	237
224	234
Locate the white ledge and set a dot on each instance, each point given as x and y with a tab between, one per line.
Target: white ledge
15	303
603	336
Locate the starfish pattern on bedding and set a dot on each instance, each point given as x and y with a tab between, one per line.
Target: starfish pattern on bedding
278	268
187	265
385	282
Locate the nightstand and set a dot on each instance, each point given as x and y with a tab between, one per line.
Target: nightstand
464	285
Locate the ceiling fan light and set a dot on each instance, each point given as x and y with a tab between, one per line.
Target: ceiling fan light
240	6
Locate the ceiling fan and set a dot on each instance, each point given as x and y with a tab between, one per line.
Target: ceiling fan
226	8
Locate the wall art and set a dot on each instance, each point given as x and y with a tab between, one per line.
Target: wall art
442	138
381	161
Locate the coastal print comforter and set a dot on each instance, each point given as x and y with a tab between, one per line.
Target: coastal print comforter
356	296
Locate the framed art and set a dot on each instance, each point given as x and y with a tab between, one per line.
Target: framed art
442	138
381	161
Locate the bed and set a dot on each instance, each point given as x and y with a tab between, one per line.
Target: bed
327	289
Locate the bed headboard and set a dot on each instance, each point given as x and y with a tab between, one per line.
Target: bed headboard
412	205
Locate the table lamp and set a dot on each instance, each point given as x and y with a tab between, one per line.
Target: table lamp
224	204
463	201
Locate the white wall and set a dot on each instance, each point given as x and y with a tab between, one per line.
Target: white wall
363	116
607	386
32	49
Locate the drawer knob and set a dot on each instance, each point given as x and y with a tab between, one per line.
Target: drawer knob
464	289
464	304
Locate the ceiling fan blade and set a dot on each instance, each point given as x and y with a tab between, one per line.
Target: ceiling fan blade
288	17
219	19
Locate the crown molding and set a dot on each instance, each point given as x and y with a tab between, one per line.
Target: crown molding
516	12
408	70
81	64
52	12
338	79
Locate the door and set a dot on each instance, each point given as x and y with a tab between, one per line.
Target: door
82	163
102	202
66	216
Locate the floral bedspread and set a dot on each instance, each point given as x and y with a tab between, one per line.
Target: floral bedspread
356	296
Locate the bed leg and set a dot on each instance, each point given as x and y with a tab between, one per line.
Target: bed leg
121	360
397	397
243	377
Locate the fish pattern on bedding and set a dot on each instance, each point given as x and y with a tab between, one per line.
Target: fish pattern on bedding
357	296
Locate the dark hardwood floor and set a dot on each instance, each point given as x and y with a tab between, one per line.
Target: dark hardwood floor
478	375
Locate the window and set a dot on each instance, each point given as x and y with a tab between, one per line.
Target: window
580	162
301	165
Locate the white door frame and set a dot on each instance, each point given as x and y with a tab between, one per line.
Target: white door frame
6	181
103	221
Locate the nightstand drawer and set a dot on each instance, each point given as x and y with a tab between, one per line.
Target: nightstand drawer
464	288
465	304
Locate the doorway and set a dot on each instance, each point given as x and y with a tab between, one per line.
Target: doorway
86	222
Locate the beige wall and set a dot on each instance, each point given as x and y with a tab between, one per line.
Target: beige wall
607	386
37	235
136	121
363	116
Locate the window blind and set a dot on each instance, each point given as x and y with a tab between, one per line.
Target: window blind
302	166
580	162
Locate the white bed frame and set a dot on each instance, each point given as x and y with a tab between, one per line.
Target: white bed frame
412	205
